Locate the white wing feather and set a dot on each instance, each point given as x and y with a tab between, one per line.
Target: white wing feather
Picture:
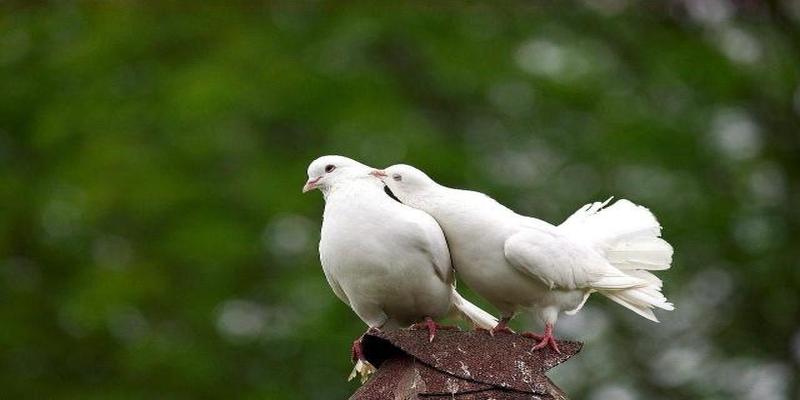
560	262
432	241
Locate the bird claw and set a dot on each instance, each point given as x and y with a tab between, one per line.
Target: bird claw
545	340
548	341
357	351
432	327
363	368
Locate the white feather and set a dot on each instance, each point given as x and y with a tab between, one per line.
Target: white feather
471	312
518	262
628	235
389	262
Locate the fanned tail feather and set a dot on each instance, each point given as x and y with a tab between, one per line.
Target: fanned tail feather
640	300
629	236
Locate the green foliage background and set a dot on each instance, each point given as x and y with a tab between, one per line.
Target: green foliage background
154	242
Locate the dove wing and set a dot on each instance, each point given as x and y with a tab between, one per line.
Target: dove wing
432	242
559	262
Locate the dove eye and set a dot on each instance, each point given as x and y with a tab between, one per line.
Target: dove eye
329	168
397	177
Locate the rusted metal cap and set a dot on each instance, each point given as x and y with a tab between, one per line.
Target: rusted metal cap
464	365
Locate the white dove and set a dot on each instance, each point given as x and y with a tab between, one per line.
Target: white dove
521	263
387	261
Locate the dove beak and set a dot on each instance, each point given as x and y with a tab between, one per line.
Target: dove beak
378	174
311	184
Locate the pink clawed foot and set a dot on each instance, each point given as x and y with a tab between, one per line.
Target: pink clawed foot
363	368
501	327
357	350
431	326
545	340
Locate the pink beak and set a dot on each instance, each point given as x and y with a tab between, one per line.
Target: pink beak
311	184
378	173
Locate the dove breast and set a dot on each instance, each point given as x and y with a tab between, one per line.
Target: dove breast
389	262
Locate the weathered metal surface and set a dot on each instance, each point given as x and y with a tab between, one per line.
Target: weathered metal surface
466	365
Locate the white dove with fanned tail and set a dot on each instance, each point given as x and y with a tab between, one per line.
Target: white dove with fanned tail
387	261
520	263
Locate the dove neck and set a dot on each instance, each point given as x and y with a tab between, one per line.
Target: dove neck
428	199
450	205
367	188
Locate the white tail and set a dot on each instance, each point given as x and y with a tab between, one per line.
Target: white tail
472	312
629	236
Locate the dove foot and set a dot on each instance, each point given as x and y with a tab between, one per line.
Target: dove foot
431	326
501	327
357	350
545	340
363	369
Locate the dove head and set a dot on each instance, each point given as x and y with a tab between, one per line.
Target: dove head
407	183
327	171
